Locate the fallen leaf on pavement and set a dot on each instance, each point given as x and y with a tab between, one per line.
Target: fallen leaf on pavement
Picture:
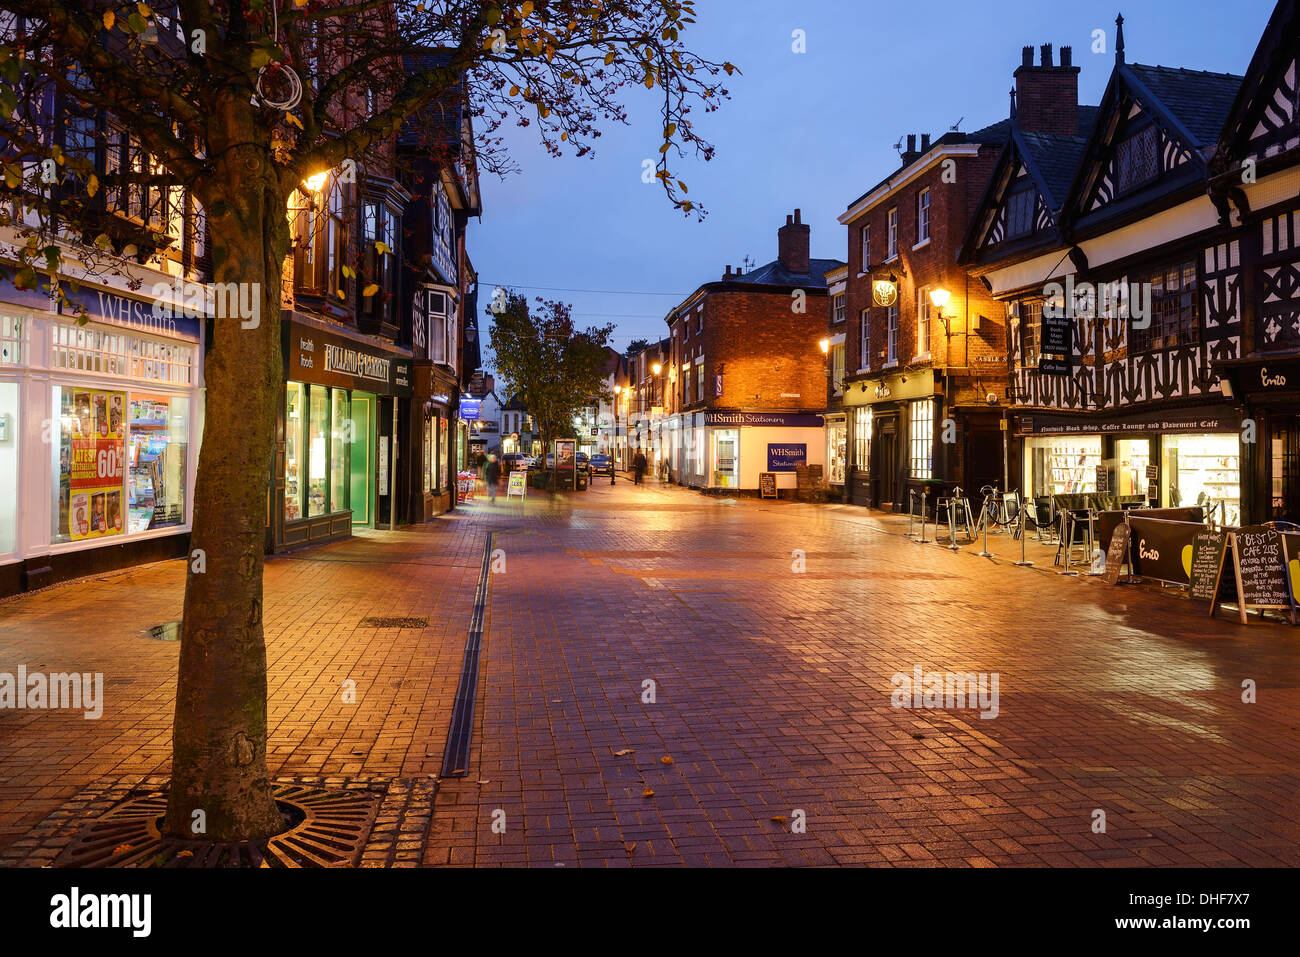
647	793
619	754
666	760
629	847
184	853
121	848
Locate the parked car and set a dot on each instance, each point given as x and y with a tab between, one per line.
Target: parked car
601	464
513	462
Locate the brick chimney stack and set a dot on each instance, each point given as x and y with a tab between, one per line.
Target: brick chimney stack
1047	96
792	243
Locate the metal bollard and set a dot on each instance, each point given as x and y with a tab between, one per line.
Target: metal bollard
1067	525
984	520
1024	532
925	493
911	512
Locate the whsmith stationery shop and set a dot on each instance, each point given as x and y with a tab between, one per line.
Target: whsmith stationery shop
99	434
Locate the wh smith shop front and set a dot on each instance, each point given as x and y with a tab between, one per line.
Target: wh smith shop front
728	450
99	435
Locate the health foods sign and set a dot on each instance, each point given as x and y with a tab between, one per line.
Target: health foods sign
314	355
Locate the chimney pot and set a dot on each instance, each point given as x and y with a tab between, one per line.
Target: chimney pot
797	216
1067	56
911	142
789	220
925	142
792	244
1045	54
1026	56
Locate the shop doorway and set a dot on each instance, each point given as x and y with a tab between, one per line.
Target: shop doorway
983	460
361	454
887	459
385	482
1285	452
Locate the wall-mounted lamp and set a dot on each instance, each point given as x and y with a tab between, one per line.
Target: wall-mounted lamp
656	368
316	182
825	345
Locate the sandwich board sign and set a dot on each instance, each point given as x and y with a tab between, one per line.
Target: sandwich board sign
517	484
1260	574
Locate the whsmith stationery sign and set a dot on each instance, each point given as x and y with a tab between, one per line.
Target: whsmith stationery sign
778	420
314	355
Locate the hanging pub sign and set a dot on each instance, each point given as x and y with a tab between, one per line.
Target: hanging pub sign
884	292
469	408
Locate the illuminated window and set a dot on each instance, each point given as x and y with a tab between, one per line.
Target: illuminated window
921	445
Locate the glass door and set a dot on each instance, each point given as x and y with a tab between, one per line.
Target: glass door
726	457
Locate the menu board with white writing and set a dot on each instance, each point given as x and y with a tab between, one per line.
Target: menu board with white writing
1207	559
1263	566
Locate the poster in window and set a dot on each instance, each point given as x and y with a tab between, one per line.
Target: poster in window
96	458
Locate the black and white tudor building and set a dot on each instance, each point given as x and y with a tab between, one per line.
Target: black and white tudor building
1152	299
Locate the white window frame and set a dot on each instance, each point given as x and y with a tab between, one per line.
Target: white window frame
923	217
892	233
892	336
923	323
864	340
920	446
865	236
839	308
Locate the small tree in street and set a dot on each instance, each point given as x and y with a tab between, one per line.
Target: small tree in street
555	369
228	107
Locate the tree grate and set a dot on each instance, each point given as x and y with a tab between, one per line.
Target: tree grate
327	829
394	622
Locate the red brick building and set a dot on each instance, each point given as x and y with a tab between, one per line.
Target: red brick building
745	385
925	358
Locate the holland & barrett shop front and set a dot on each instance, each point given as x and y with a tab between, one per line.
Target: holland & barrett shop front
338	467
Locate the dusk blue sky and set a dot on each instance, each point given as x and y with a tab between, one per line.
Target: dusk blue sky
812	130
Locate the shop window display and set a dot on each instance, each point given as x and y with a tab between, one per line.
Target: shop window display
837	440
157	455
341	435
8	466
1204	470
317	502
293	452
1132	456
1065	465
88	461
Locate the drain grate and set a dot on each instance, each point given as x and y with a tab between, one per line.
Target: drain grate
329	830
167	631
394	622
455	757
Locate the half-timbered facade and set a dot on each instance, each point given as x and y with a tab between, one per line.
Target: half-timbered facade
1256	182
1121	293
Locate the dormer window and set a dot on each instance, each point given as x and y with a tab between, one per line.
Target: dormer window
1136	160
1020	212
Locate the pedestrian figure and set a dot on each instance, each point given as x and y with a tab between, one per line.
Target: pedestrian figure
491	474
638	465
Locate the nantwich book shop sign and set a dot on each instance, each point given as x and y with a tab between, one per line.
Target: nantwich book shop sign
1260	574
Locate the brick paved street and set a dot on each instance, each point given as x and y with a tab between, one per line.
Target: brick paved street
771	693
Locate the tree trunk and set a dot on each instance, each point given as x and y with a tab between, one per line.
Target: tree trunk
220	730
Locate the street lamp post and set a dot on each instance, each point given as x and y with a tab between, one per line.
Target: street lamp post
656	402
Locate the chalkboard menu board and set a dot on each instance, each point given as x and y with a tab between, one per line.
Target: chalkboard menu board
1103	480
1117	554
1262	561
1153	472
767	485
1207	561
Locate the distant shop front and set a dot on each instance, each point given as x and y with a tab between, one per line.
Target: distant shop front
1269	390
337	464
723	449
1171	457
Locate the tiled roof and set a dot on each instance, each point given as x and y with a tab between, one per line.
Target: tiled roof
774	274
1055	157
1197	99
993	135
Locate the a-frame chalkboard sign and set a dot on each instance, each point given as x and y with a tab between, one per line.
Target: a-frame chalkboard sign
1260	576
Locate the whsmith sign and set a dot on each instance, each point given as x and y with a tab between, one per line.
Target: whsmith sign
314	355
777	420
